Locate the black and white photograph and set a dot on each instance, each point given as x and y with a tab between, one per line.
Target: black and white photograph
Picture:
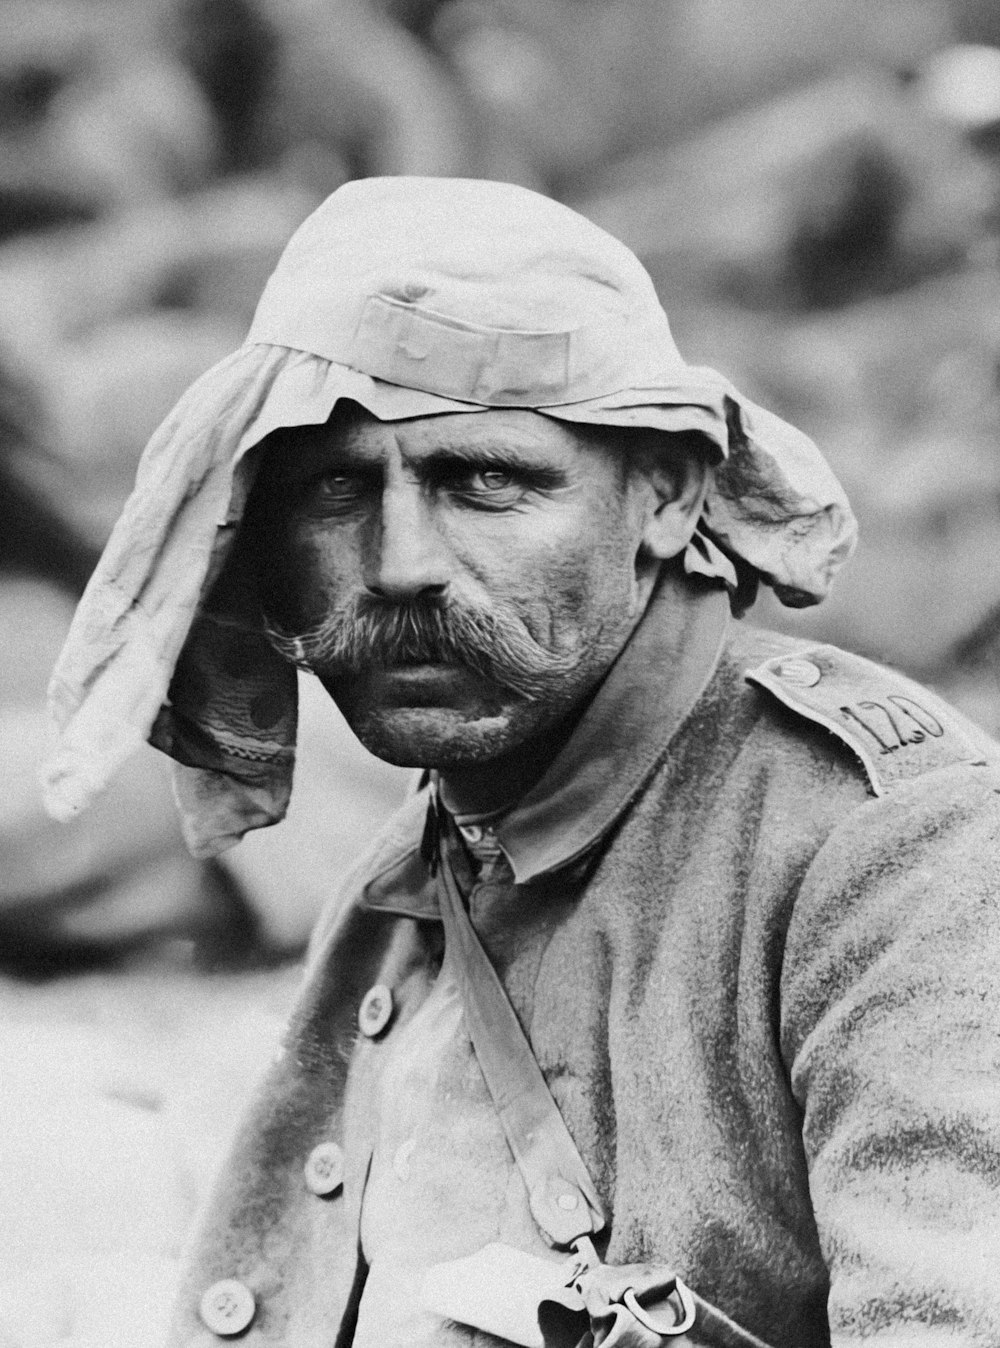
500	673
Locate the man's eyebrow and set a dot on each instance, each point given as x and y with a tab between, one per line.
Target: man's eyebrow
490	455
442	459
488	452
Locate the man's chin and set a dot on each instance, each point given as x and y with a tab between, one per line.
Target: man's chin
424	737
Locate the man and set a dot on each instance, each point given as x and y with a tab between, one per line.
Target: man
667	1007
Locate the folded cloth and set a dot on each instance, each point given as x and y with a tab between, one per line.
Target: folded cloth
412	297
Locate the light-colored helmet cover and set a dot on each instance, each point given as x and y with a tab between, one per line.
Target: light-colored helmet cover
413	297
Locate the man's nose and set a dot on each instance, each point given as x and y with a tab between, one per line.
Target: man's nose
407	556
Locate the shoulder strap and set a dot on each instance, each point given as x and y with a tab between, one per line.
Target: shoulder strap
896	728
561	1196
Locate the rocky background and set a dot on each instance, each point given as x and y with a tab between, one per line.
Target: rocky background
814	185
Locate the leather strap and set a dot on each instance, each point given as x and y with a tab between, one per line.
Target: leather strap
562	1197
545	1152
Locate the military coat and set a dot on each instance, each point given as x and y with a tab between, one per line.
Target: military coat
751	932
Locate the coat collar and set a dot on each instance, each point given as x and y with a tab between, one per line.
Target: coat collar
649	692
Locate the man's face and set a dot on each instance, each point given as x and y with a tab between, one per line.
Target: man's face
464	580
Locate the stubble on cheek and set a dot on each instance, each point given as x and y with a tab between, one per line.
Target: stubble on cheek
581	599
565	585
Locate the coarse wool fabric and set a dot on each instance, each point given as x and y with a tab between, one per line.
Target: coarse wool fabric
768	1008
412	297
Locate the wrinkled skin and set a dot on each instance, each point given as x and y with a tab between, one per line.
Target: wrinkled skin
506	511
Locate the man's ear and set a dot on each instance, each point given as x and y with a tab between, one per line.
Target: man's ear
679	485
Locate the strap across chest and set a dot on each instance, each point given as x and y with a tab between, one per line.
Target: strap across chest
561	1195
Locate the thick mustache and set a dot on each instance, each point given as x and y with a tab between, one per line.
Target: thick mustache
373	632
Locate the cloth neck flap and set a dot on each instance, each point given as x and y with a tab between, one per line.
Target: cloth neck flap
411	297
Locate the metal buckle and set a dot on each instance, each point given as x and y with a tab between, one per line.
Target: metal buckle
681	1324
582	1259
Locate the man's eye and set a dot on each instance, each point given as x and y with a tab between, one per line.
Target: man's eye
338	487
491	479
492	488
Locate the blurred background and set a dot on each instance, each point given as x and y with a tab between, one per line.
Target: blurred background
815	188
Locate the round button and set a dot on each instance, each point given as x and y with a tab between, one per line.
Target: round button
227	1307
799	673
324	1169
559	1209
375	1011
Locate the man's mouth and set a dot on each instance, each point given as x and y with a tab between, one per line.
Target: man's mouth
422	684
417	671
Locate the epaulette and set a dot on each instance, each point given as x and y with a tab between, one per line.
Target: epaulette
898	729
